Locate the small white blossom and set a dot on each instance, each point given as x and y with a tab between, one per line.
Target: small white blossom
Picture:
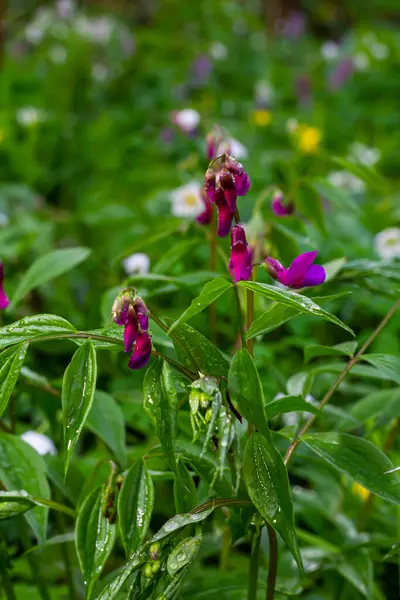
36	30
364	154
100	72
379	51
187	119
218	51
65	8
264	92
233	147
98	30
39	442
187	201
292	125
138	263
346	181
330	50
293	418
58	55
387	243
29	116
361	61
4	220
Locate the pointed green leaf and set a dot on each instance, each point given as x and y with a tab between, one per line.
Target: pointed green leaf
245	388
9	374
107	421
78	388
268	486
309	203
135	506
345	349
94	536
183	554
210	292
179	521
360	459
287	404
370	176
185	492
13	504
387	364
34	327
22	468
47	267
293	300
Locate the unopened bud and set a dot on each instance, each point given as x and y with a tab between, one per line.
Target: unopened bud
120	308
148	570
154	550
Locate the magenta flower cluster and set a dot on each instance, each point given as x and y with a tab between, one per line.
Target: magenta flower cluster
130	311
4	301
301	273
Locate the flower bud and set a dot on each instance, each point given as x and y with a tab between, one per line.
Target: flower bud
227	183
155	567
154	550
225	214
281	207
4	301
209	184
148	571
141	353
240	263
120	308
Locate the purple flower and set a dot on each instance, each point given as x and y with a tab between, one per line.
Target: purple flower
130	311
303	89
240	263
214	139
281	207
341	74
225	214
201	70
205	217
294	26
4	301
301	273
141	353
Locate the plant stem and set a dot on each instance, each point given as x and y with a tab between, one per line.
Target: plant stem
254	566
7	585
273	563
189	374
226	545
218	503
293	446
33	563
240	315
213	265
250	319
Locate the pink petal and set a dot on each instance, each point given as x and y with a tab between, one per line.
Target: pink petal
142	352
298	269
314	276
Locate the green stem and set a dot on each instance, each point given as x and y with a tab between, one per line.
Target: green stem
273	563
61	508
240	315
218	503
254	566
7	585
295	443
226	546
189	374
33	563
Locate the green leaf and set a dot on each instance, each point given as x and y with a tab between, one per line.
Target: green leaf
287	404
34	327
185	492
22	468
179	521
309	202
156	234
333	267
13	504
346	349
210	292
135	506
292	300
183	554
245	388
274	317
120	581
94	536
46	268
360	459
268	486
9	374
338	197
206	466
161	401
106	420
383	403
172	256
78	388
198	353
366	174
387	364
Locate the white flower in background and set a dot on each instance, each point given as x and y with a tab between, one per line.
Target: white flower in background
187	119
58	55
330	50
232	147
264	92
4	220
36	30
29	116
98	30
379	51
364	154
65	8
100	72
387	243
218	51
361	61
187	201
138	263
293	418
346	181
292	125
39	442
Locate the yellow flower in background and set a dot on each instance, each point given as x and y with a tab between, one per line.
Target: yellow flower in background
308	138
360	491
262	117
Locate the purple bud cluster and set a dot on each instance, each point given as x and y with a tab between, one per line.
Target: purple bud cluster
130	311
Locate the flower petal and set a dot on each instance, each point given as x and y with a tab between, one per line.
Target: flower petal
240	263
142	314
130	335
298	269
314	276
142	352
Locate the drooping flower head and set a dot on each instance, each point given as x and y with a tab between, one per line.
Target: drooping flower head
280	206
224	181
205	217
240	263
4	301
130	311
301	273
